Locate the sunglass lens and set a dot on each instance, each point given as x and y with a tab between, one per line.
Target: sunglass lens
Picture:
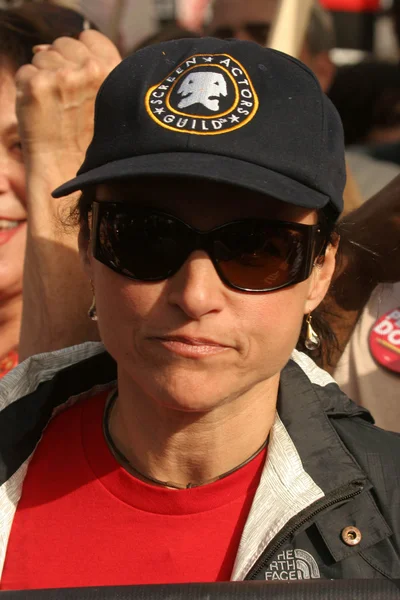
256	257
144	246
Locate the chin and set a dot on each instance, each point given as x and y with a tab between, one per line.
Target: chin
10	281
191	392
192	405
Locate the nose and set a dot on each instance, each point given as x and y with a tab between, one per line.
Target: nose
4	183
196	288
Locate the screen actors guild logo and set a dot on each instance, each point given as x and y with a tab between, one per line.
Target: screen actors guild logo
291	565
204	88
207	94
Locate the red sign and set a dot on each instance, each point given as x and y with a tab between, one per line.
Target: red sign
352	5
384	341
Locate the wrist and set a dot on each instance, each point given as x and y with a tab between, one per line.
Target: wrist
56	163
48	217
43	175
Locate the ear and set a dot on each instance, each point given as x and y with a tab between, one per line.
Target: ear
85	251
321	278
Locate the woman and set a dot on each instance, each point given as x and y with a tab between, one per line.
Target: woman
198	446
21	30
12	225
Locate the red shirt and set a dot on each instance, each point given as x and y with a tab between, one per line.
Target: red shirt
85	521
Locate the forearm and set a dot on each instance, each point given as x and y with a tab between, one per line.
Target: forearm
55	110
56	292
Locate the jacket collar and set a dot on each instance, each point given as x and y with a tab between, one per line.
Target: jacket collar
306	403
309	403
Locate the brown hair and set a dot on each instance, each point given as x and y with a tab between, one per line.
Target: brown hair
35	23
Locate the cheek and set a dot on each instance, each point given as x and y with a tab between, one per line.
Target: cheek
19	183
274	321
12	263
124	308
16	176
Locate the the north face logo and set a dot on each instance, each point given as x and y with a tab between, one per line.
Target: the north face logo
206	94
203	88
291	565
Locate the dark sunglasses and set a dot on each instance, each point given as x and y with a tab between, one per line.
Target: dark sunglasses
251	255
256	31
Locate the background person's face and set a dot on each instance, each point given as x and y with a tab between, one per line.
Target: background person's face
251	20
256	333
12	193
248	20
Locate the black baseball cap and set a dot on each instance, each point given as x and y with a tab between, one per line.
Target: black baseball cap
222	110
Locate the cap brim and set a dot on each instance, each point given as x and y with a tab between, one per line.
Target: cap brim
209	167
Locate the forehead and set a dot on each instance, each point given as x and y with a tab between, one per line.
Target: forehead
202	203
235	12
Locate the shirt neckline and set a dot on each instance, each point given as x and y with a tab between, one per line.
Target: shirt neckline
151	498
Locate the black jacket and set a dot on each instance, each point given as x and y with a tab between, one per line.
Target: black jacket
335	476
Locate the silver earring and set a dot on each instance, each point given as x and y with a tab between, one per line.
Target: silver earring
92	312
312	341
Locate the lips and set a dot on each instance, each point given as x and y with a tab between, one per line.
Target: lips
8	228
192	341
192	347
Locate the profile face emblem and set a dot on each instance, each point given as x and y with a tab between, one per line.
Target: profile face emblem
203	88
207	94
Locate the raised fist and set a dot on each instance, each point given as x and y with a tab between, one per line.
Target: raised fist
55	98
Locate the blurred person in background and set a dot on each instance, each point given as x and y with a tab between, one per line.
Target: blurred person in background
381	105
252	20
369	369
367	96
20	30
384	144
369	236
172	31
35	155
